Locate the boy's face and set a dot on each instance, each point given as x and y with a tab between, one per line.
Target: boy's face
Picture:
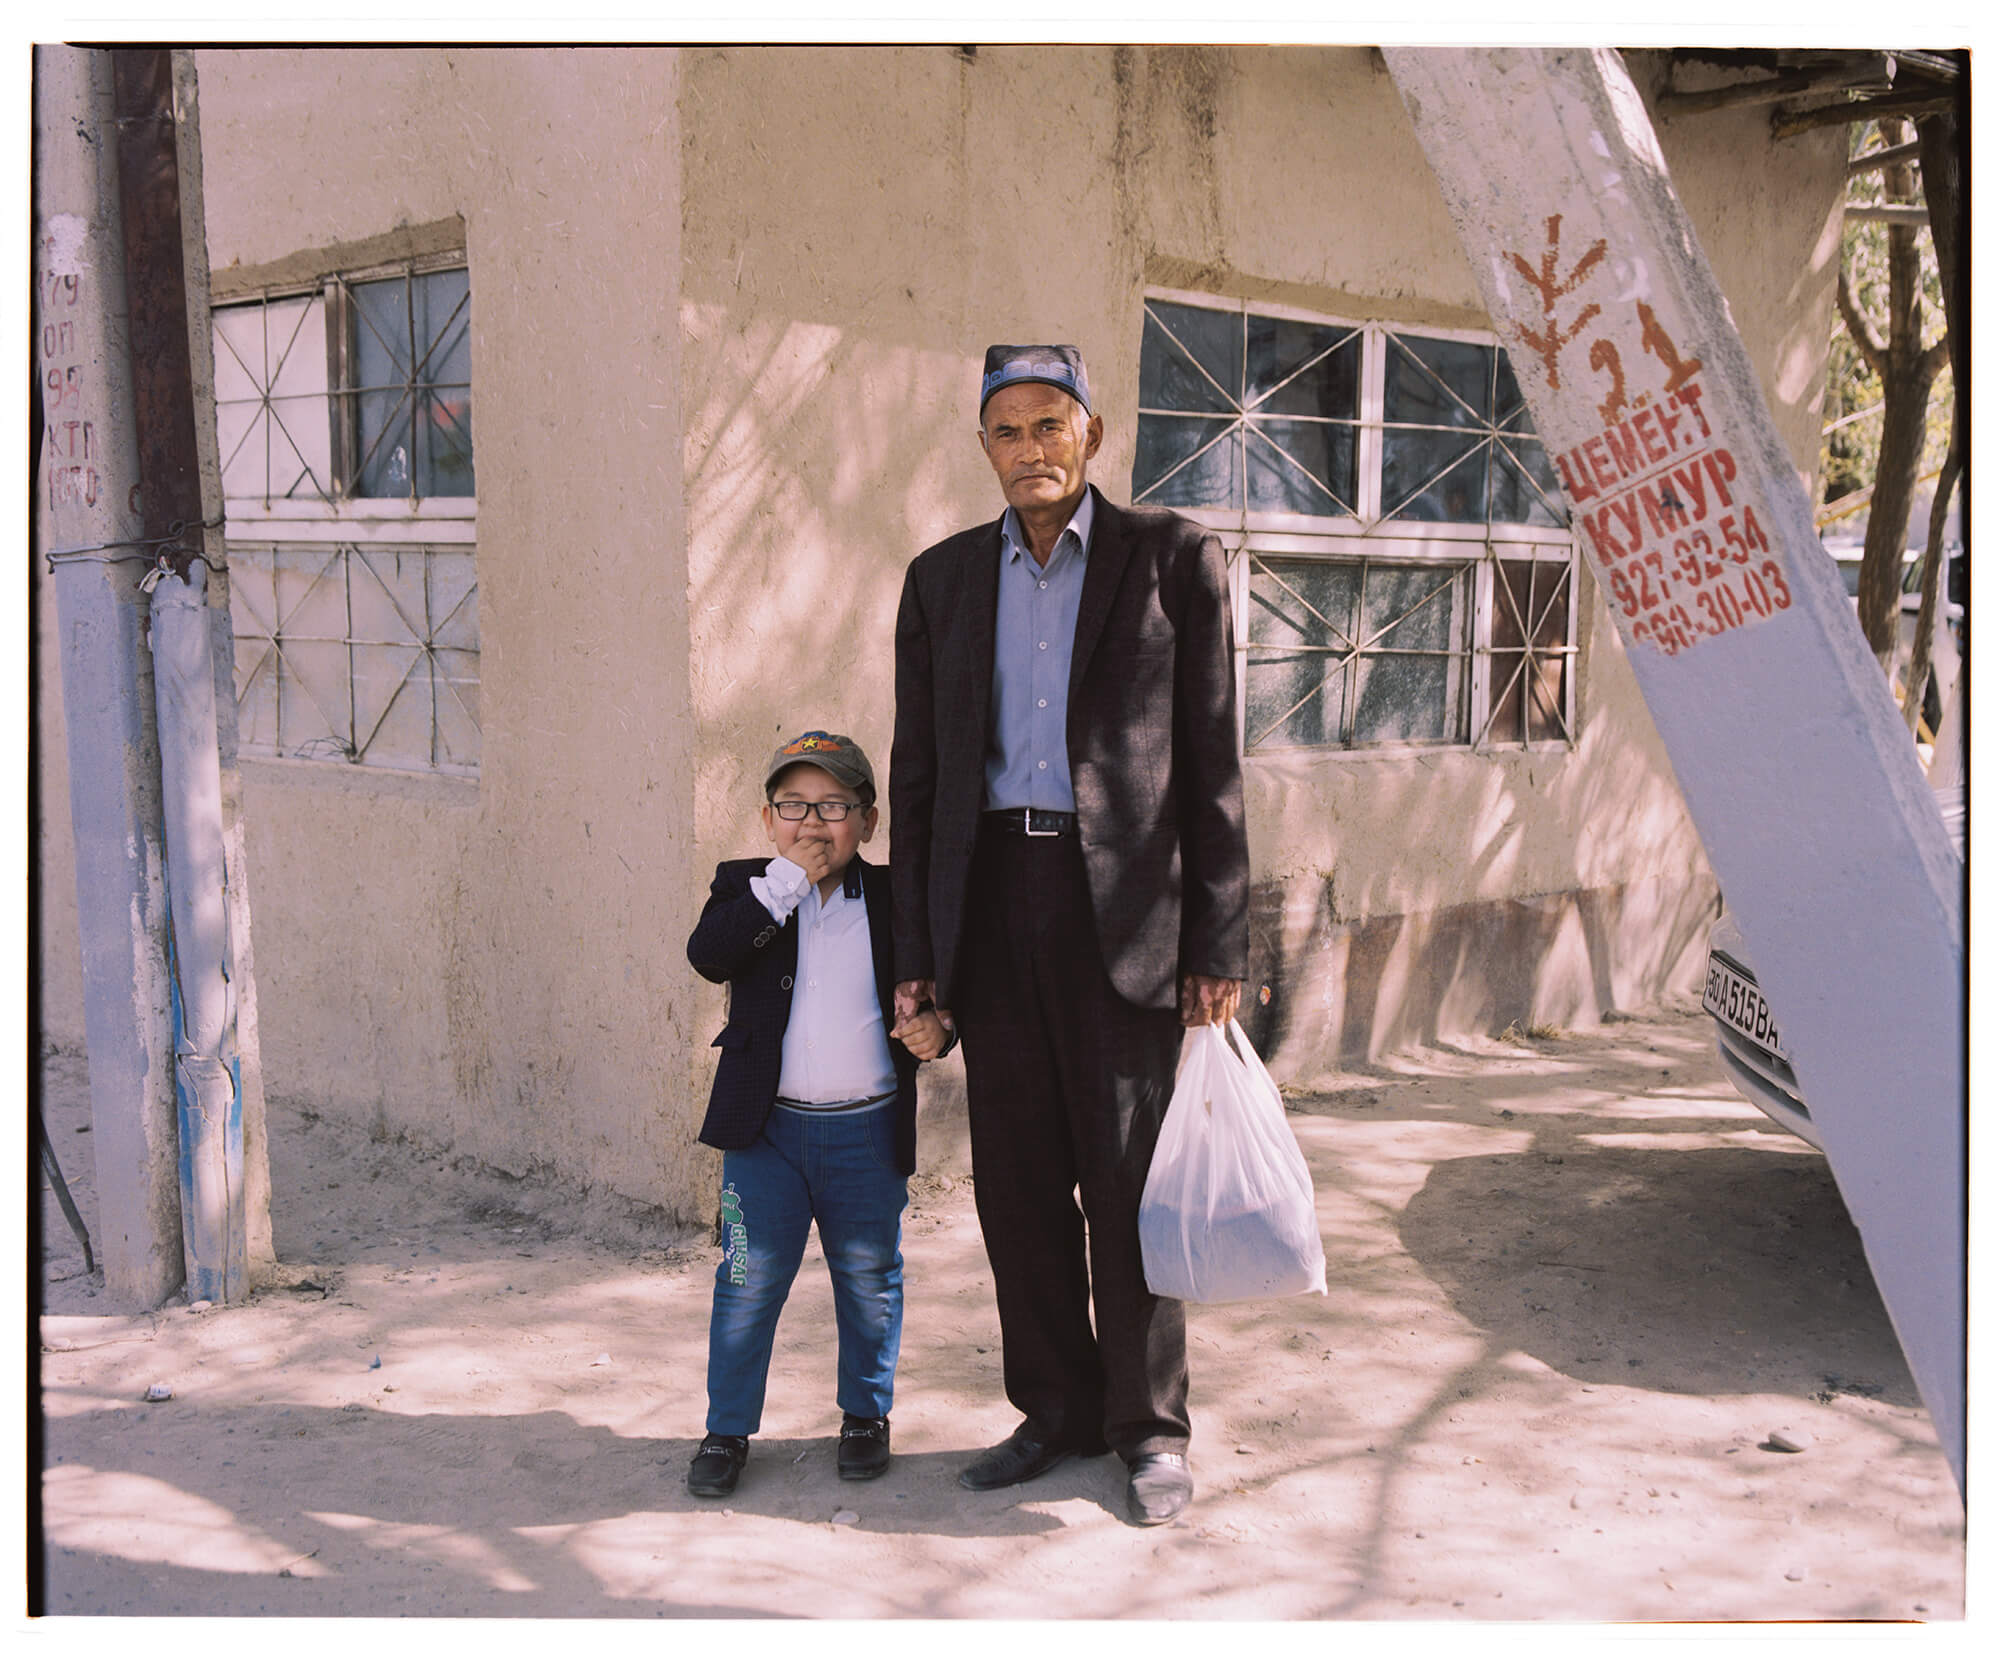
806	783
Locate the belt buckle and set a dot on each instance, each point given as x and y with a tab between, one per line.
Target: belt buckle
1028	825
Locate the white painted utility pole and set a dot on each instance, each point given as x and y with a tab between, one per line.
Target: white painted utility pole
87	503
1796	768
249	1159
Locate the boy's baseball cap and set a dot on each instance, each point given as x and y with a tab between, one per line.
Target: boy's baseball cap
832	752
1057	366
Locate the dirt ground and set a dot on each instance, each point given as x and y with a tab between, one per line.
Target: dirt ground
1574	1287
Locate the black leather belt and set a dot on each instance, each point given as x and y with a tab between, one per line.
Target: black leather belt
1030	821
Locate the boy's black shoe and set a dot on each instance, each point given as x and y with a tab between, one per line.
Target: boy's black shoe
717	1466
864	1448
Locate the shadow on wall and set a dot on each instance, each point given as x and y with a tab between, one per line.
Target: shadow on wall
800	539
830	349
1429	966
794	582
1348	992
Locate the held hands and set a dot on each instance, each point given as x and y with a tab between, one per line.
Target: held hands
1209	1000
921	1028
922	1035
911	996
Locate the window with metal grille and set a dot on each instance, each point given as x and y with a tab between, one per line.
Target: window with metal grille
1404	563
363	654
344	425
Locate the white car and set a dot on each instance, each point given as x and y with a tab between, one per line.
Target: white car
1846	552
1748	1039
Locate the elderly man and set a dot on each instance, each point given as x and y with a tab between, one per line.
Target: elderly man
1071	887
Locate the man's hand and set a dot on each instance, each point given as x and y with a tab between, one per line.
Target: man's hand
1209	1000
911	997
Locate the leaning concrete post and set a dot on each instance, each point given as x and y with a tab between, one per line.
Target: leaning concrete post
87	502
1796	769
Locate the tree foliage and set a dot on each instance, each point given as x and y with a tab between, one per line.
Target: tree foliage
1890	301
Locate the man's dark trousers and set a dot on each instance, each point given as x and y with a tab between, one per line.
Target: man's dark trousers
1067	1083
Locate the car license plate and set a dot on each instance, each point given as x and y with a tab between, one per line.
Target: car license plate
1732	996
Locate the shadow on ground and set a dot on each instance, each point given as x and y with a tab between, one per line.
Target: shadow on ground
1571	1288
1742	1254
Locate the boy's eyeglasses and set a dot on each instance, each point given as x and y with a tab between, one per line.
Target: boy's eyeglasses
830	813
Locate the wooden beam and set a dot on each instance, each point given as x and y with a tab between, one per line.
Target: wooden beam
1880	72
1882	158
1938	65
1790	123
1913	214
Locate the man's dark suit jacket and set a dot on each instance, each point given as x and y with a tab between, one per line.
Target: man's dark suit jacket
1152	751
736	941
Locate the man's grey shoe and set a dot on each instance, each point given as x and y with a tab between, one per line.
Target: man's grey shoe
864	1448
1158	1489
717	1465
1024	1456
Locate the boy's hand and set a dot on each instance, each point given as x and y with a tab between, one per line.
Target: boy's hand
913	995
814	856
914	998
922	1035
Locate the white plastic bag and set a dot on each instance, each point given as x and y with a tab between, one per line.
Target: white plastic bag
1227	1213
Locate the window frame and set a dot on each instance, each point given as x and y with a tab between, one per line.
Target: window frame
275	641
1358	553
341	515
335	527
1367	536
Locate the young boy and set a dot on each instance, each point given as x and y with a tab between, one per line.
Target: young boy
814	1105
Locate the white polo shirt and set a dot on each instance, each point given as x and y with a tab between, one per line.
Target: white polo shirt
836	1048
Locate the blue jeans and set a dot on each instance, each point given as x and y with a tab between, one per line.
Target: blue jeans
839	1170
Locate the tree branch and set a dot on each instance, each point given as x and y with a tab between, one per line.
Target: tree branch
1857	326
1932	588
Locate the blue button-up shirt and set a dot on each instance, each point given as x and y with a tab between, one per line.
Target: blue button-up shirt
1027	753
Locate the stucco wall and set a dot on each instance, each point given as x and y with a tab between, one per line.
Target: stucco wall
728	310
860	224
495	967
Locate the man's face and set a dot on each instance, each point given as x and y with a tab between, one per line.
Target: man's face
1039	442
804	782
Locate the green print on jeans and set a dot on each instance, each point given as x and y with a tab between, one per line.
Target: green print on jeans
736	1248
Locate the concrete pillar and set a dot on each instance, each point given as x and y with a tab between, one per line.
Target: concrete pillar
88	512
153	111
1795	766
255	1165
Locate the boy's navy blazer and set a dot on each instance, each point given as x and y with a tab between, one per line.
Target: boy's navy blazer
736	941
